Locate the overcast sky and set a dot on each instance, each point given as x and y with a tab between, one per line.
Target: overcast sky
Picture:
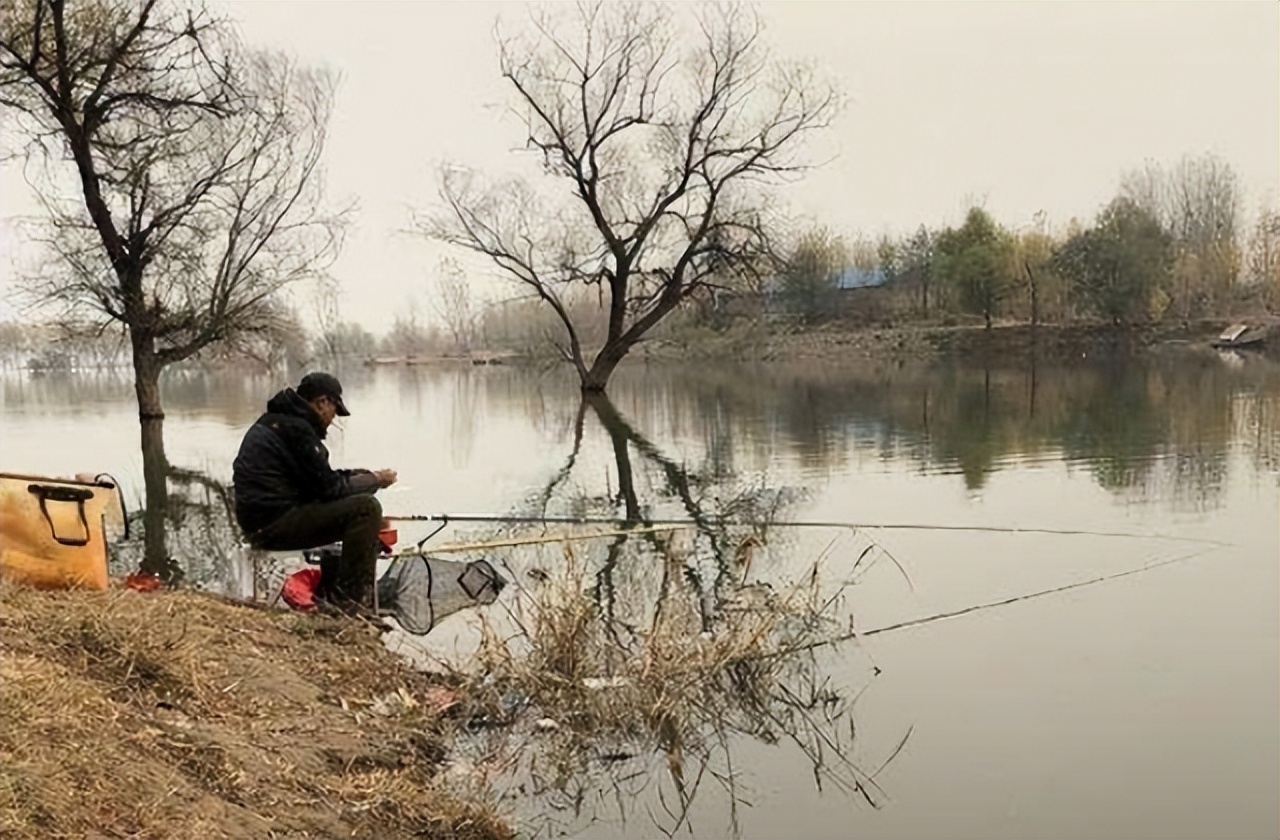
1022	106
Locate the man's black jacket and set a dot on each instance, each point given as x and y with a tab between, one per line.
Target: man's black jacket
282	463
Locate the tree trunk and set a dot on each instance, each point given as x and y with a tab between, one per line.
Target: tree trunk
986	396
1031	401
155	465
619	437
1035	297
602	368
622	435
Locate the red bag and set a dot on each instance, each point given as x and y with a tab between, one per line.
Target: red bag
387	539
299	590
143	581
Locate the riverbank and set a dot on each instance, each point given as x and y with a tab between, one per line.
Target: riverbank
762	342
833	343
176	714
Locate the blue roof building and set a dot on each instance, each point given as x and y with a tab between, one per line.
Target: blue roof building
859	278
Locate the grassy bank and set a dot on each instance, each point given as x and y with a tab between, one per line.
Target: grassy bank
780	341
834	342
175	714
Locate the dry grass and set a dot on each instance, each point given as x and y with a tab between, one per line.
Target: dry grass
584	691
175	714
590	677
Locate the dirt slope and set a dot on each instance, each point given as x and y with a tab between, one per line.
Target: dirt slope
175	714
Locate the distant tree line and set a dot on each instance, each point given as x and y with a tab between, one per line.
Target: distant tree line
1171	245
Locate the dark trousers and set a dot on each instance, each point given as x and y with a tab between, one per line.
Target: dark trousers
354	520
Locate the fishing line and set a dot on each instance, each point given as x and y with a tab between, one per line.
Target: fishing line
446	518
1207	546
917	622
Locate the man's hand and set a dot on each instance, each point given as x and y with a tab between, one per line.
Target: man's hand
386	478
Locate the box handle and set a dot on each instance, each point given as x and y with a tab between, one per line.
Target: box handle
51	493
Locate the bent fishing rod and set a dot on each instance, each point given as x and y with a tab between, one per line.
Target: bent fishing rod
441	520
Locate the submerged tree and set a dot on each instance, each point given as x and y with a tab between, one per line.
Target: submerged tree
664	143
195	197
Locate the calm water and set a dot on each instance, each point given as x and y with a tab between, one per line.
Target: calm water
1143	706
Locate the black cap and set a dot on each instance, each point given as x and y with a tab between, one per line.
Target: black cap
323	385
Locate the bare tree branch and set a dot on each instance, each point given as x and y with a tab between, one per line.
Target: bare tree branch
198	193
669	144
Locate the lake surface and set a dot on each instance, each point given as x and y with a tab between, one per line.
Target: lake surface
1143	705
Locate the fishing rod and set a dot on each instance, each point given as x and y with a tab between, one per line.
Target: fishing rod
459	548
443	519
1041	593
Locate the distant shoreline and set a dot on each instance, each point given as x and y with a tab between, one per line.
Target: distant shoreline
758	342
1046	342
915	342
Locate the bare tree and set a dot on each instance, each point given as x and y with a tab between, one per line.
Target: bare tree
453	305
328	318
665	143
16	343
408	337
281	341
196	192
912	264
336	339
1264	255
1035	251
1197	201
808	280
1206	203
1149	189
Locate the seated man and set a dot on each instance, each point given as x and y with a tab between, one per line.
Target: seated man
288	497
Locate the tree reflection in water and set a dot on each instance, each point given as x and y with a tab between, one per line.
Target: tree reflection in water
628	673
1160	425
205	548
